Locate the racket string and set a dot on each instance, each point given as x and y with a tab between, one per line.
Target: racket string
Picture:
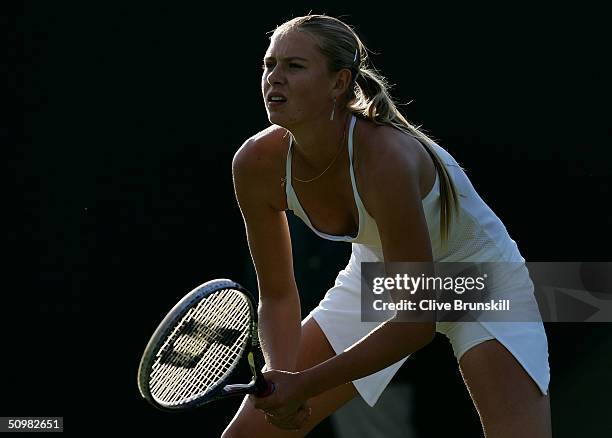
196	357
171	377
183	381
224	361
178	376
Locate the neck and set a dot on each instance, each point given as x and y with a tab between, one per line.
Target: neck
317	142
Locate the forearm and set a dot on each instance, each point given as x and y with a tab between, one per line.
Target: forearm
279	331
384	346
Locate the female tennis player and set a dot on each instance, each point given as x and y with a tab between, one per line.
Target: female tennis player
341	156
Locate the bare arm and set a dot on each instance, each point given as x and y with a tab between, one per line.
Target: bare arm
392	196
270	246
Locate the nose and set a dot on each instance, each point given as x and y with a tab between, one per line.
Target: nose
275	76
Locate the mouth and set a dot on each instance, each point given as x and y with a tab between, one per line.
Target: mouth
275	104
275	100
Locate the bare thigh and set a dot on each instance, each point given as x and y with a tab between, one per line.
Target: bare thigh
314	349
509	402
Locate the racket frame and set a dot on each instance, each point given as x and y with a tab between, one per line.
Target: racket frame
257	385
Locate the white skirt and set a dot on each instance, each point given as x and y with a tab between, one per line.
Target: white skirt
339	316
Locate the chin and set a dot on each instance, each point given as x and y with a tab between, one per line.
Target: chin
277	119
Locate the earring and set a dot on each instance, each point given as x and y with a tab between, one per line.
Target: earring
333	110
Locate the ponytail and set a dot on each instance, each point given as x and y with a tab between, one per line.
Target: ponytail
373	102
369	98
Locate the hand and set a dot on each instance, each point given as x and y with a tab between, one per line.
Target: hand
292	421
286	407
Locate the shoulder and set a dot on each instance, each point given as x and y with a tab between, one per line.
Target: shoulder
261	149
389	183
385	158
259	163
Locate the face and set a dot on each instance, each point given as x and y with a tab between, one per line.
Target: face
295	69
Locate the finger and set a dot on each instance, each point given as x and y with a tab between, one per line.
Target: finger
291	422
286	423
302	416
281	424
285	426
280	416
265	404
281	412
287	411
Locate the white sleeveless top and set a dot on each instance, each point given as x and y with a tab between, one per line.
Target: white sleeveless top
476	233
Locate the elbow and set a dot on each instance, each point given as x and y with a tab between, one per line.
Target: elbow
423	333
418	334
430	333
282	299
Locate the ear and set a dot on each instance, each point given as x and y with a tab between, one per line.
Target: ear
341	82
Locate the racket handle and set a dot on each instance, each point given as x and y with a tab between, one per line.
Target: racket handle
260	388
238	389
264	388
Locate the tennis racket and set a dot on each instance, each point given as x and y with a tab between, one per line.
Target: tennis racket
196	352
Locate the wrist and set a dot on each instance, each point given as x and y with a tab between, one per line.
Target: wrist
305	383
310	384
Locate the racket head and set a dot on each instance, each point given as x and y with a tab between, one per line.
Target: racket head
198	345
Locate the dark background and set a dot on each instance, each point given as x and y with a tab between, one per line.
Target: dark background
122	122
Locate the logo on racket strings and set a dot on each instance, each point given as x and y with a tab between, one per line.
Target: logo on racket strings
179	352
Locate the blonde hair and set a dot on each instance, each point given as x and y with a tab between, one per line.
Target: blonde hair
369	96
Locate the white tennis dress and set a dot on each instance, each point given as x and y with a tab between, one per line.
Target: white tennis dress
478	235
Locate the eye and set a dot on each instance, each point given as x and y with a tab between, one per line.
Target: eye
267	65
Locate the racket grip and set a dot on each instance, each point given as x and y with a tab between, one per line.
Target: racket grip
259	388
265	388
